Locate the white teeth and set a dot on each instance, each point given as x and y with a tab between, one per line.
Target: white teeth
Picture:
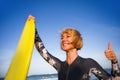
65	44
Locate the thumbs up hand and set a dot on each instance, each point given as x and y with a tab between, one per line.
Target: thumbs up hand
110	53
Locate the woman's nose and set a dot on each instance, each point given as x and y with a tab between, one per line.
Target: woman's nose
64	39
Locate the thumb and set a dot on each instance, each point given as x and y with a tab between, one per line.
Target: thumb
109	45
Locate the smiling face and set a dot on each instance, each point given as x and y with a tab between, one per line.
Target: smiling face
71	39
66	42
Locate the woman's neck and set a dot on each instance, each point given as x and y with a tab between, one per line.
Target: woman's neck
71	56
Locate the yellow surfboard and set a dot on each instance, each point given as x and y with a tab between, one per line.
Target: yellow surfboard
19	66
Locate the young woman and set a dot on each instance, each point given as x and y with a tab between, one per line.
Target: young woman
76	67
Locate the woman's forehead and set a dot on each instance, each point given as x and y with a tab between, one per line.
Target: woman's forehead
66	34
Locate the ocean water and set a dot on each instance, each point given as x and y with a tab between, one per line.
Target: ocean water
52	76
55	76
43	77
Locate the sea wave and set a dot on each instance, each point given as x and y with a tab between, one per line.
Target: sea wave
52	76
43	77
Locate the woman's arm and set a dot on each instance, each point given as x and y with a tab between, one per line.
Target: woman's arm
53	61
97	70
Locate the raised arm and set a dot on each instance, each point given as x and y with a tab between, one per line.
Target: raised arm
114	62
53	61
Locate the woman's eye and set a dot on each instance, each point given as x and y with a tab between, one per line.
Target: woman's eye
68	36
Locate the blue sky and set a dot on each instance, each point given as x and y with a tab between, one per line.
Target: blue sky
97	20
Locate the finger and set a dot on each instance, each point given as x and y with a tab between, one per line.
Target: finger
109	45
31	17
